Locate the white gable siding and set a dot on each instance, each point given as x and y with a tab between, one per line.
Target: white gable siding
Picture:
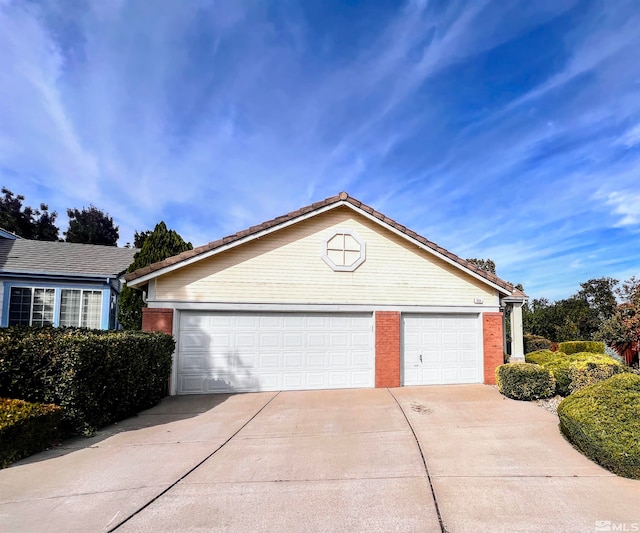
287	267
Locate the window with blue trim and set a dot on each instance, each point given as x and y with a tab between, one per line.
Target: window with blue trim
80	308
35	306
31	306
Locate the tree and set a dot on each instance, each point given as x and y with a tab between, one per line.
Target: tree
484	264
91	226
600	296
623	326
29	223
157	245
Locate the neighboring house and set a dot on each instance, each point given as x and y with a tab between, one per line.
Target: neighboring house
333	295
60	283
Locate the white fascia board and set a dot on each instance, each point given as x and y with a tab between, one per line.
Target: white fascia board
183	305
143	279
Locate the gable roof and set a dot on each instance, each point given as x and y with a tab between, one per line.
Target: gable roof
22	256
140	276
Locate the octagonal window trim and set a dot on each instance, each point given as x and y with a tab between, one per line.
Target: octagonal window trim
343	250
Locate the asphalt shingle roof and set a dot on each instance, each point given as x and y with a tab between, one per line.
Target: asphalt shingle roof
66	258
342	197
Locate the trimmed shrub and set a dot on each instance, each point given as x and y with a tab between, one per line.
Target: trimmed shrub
541	357
525	381
97	377
603	422
534	343
571	347
585	373
569	367
26	428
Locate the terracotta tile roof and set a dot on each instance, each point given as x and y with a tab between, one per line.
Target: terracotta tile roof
342	197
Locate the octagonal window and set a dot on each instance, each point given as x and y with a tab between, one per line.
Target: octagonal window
343	251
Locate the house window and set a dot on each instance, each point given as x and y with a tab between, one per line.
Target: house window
80	308
31	306
343	251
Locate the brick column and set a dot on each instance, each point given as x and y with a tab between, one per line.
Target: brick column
492	345
157	319
387	349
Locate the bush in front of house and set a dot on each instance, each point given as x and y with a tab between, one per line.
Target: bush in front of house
26	428
540	357
588	372
534	343
571	347
603	421
573	371
525	381
96	377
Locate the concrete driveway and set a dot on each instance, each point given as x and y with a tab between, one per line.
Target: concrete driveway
456	458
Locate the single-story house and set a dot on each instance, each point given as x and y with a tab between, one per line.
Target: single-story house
333	295
60	283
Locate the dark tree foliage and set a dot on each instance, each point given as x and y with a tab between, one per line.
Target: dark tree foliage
139	238
156	246
91	226
26	222
564	320
484	264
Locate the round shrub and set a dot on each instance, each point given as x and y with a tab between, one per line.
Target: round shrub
603	422
533	343
567	368
525	381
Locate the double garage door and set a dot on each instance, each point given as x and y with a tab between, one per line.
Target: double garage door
233	352
236	352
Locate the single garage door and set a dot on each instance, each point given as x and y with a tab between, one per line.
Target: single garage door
231	352
441	349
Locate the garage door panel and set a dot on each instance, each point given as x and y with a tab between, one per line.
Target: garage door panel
274	351
450	348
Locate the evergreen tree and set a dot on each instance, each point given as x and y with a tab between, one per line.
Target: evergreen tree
91	226
157	245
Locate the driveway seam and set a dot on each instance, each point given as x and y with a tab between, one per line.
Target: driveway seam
424	462
190	471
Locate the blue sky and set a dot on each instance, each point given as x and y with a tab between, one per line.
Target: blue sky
500	129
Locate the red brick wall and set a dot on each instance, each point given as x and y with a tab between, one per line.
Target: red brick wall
157	320
387	349
492	345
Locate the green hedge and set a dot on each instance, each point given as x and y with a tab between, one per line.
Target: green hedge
603	421
533	343
96	377
525	381
573	371
571	347
26	428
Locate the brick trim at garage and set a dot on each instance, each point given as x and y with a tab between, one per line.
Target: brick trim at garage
387	348
492	345
157	319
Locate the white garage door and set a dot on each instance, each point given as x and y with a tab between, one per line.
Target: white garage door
231	352
440	349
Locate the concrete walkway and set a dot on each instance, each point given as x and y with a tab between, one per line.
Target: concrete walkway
350	460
